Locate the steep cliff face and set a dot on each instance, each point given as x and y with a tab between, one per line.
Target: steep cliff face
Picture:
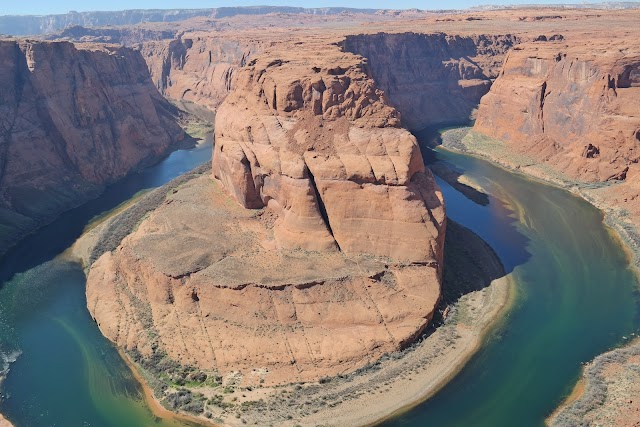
575	108
432	78
316	142
71	121
331	257
197	68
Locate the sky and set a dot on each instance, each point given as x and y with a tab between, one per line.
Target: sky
45	7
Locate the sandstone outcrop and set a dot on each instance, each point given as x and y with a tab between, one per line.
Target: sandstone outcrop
320	146
197	68
71	121
573	107
433	79
317	248
201	282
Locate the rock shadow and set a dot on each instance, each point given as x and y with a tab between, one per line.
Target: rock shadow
470	264
430	138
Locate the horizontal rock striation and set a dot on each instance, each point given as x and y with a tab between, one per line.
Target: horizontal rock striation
320	146
71	121
573	107
432	79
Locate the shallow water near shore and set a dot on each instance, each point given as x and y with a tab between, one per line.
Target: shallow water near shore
576	297
65	373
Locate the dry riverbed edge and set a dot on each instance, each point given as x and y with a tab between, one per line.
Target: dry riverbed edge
608	391
387	387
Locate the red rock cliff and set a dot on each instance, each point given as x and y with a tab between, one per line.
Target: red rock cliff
432	78
197	68
574	107
71	121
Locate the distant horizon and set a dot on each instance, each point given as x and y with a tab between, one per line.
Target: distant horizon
44	7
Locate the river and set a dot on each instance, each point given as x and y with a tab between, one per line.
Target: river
575	298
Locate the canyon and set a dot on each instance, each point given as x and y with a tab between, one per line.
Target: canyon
314	244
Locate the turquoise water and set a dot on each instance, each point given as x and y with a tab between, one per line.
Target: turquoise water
65	372
575	298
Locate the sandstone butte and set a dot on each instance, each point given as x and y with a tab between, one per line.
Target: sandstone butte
289	263
72	119
341	265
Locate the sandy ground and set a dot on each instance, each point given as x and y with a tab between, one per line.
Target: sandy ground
4	422
608	393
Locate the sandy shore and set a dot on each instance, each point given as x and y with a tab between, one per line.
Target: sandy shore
154	404
4	422
608	393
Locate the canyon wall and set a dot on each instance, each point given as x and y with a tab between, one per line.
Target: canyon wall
197	68
573	107
71	121
432	79
317	248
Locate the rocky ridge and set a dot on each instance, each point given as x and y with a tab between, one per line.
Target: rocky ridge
33	24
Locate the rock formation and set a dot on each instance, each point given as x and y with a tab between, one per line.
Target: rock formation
71	121
317	249
197	68
432	79
571	106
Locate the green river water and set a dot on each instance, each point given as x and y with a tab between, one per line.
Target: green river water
575	298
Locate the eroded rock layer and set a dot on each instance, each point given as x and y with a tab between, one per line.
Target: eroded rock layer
316	249
574	107
198	68
314	139
71	121
432	79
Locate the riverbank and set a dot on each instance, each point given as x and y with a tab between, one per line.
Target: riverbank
4	422
604	393
602	195
391	385
608	392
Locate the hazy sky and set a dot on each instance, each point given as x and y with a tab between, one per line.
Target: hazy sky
41	7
